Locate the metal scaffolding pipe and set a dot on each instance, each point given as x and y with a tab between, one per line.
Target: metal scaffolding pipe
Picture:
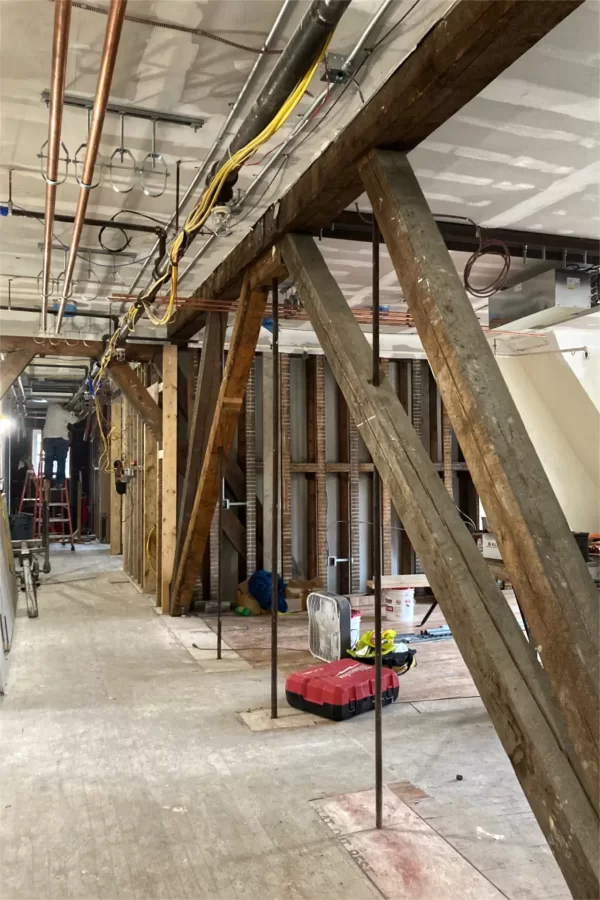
62	23
114	26
376	379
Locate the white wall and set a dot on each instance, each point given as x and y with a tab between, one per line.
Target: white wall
564	426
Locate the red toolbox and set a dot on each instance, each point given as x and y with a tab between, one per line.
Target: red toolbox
340	689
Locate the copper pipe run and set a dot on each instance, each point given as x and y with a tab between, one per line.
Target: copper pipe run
114	26
60	43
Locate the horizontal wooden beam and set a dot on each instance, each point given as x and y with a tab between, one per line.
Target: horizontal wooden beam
512	685
66	347
548	572
12	366
242	347
137	394
461	54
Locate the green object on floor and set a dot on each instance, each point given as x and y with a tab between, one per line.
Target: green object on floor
242	611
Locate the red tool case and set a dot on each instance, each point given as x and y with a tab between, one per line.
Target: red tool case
340	689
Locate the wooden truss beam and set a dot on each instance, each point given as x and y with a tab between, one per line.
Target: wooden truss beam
137	393
205	401
239	360
66	347
555	590
12	366
459	56
169	474
512	685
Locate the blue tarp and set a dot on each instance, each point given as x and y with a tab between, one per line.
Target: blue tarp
259	586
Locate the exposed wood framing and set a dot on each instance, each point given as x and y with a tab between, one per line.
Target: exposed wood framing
12	366
353	481
203	410
321	471
54	346
311	466
137	394
126	501
169	473
386	509
555	589
239	360
447	452
343	526
150	482
513	687
116	500
249	459
267	456
286	459
461	54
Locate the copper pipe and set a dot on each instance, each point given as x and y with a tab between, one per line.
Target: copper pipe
60	43
114	26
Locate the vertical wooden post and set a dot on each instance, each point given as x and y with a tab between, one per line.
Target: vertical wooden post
150	510
286	463
447	452
386	508
311	457
249	466
354	508
116	412
169	472
343	527
267	455
321	473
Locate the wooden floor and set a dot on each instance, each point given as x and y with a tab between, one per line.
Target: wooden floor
135	764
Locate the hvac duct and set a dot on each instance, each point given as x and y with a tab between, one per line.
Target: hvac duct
543	300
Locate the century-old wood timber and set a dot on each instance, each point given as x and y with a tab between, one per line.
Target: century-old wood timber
137	394
555	589
54	346
513	687
459	56
150	510
116	500
169	473
205	401
12	365
248	319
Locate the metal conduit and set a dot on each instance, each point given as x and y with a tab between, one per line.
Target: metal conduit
272	36
347	69
62	23
308	39
107	65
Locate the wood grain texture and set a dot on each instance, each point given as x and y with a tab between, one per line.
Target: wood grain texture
116	501
169	473
139	398
12	366
459	56
514	689
150	510
548	571
239	360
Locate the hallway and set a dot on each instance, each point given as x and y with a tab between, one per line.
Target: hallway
126	771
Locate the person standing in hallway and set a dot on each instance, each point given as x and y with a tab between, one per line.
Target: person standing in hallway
56	441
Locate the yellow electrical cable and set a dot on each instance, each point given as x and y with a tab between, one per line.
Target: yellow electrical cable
201	212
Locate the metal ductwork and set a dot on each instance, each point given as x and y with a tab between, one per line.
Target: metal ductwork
112	37
543	299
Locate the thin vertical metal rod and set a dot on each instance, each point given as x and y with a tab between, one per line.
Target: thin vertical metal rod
377	551
220	554
275	495
177	188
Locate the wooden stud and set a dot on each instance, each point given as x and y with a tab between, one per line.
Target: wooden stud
169	472
311	466
267	456
343	525
286	460
248	461
116	500
150	510
447	452
321	472
553	584
513	687
239	360
386	509
136	392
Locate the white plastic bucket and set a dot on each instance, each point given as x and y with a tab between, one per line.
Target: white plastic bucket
400	605
354	627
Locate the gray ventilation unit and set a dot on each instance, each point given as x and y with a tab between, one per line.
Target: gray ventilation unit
542	300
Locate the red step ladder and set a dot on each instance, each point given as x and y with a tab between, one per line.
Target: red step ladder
29	492
60	525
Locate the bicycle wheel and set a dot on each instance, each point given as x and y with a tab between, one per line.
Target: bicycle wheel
30	590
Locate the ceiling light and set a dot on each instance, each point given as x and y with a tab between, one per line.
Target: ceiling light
6	424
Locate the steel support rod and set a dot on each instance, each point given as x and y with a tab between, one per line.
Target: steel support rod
62	23
377	551
275	496
220	551
112	37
